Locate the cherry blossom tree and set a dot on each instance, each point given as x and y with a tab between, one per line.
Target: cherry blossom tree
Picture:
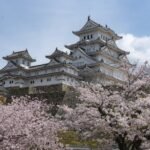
113	114
105	115
137	77
110	114
26	125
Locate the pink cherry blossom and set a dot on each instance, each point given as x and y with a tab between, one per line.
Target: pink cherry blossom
24	125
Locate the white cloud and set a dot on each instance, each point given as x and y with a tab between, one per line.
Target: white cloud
139	47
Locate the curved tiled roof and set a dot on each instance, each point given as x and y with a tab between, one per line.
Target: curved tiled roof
58	53
92	25
20	54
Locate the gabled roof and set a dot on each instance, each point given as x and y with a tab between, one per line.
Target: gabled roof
20	54
14	67
49	65
58	53
82	50
9	75
85	42
87	71
91	25
98	41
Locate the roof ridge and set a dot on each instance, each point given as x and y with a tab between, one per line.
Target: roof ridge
90	20
20	51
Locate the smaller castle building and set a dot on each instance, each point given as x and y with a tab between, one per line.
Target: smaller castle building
94	58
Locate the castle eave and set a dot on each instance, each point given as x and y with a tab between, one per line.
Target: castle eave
15	57
55	74
96	29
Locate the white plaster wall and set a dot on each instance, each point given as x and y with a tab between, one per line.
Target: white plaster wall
94	34
113	53
52	70
46	81
98	34
105	59
16	83
80	62
121	75
23	73
37	80
22	61
104	70
71	71
92	48
81	59
103	36
52	81
64	59
116	73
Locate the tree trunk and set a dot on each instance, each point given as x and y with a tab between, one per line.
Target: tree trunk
125	144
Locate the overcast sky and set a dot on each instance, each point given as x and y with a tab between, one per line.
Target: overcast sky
42	25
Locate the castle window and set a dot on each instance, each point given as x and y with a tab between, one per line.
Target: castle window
32	82
48	79
41	80
88	37
84	37
11	82
91	36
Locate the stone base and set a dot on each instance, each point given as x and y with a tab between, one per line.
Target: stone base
54	94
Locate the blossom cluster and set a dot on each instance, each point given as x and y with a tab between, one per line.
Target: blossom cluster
25	124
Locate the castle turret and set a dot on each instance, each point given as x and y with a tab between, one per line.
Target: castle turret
21	58
99	44
92	30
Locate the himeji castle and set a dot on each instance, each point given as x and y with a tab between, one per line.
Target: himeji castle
95	57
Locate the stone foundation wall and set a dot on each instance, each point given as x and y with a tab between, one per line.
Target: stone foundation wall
38	90
54	94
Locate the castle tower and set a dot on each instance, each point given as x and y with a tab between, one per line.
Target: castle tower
102	56
21	58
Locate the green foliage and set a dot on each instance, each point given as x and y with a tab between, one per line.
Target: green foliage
72	138
2	99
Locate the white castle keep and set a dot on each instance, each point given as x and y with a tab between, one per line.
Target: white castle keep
94	58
